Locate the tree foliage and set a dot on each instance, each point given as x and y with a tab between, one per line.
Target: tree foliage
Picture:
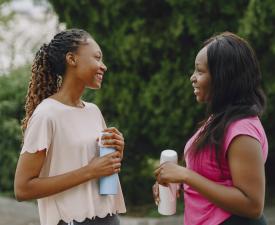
149	48
12	96
5	16
258	27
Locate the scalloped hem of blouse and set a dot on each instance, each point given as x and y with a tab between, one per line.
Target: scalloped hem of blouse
84	217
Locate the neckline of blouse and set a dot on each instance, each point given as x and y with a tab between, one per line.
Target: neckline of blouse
69	106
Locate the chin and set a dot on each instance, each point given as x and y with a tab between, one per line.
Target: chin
94	87
200	100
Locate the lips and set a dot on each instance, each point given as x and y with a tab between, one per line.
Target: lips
99	76
196	90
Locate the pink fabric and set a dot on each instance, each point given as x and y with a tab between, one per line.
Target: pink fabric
198	210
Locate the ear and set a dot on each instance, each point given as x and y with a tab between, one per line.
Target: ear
71	59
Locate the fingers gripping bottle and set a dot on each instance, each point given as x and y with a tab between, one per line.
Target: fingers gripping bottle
168	200
107	185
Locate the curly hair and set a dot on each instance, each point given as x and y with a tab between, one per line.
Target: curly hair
49	64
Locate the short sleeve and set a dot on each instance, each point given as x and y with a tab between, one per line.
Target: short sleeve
38	134
102	120
242	127
101	116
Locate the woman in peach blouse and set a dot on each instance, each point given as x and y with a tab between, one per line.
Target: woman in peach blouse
59	163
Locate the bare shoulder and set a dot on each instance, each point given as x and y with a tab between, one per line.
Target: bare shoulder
244	147
246	163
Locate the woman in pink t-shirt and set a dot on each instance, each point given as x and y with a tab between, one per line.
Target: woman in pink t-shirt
59	164
224	179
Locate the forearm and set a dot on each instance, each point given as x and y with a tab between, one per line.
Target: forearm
228	198
39	187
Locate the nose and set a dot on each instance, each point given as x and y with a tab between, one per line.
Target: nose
193	78
103	67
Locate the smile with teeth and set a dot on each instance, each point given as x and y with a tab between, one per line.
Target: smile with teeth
99	76
196	90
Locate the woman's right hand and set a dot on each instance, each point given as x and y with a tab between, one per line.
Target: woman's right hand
105	165
28	185
155	190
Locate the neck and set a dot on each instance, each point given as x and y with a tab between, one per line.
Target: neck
70	92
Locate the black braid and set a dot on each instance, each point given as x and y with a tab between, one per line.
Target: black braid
61	44
48	65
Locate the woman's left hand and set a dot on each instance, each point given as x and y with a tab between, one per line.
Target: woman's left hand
169	173
113	140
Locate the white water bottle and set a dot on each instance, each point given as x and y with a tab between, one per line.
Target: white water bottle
168	195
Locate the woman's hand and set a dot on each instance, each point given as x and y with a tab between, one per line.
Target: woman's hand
28	185
170	173
113	140
155	190
105	165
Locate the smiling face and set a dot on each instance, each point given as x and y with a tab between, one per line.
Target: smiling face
201	79
90	68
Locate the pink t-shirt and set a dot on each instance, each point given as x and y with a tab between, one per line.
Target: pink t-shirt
198	210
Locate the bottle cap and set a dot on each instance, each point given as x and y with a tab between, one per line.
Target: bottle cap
169	155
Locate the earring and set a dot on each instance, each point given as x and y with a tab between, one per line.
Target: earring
59	81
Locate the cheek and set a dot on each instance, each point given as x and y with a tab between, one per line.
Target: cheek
206	82
82	67
207	85
93	67
208	91
87	69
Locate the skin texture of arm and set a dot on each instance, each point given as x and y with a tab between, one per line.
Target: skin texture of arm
245	197
28	185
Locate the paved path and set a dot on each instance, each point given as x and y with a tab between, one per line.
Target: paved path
14	213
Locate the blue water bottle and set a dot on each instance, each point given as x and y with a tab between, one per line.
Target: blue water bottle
107	185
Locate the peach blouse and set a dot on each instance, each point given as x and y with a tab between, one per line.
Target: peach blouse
69	136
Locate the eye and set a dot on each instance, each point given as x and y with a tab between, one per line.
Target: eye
98	57
199	70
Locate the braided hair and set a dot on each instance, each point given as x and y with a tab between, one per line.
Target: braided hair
49	64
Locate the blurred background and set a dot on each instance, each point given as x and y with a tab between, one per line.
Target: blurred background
149	47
